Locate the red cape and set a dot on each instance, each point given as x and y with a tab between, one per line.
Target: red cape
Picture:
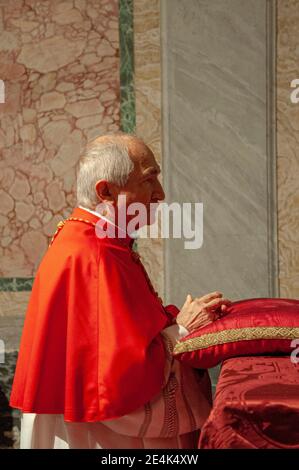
90	347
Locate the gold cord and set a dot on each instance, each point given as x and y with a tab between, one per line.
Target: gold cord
134	254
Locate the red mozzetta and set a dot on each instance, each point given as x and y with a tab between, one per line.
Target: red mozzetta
91	347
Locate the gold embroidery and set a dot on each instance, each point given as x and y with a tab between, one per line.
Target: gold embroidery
170	422
186	401
236	334
147	420
62	222
168	346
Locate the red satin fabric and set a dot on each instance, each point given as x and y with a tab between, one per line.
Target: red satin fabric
256	405
90	347
249	313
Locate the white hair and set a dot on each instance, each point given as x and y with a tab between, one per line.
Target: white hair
103	160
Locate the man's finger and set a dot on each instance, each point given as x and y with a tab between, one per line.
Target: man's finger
188	300
218	302
225	306
212	295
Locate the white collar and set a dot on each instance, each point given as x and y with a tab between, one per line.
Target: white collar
102	217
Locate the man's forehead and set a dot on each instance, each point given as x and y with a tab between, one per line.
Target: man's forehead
143	156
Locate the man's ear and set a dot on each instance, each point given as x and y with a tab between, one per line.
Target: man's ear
103	191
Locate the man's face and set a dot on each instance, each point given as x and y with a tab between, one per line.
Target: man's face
143	185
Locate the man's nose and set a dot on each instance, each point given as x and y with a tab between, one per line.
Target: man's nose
159	192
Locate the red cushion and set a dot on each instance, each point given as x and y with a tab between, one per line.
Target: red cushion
250	327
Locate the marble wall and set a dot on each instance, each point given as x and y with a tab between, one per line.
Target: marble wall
147	50
288	147
216	151
60	63
148	111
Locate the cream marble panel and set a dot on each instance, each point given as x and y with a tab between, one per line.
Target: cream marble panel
288	147
216	149
148	110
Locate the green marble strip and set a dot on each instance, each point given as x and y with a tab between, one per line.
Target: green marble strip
16	284
127	109
126	46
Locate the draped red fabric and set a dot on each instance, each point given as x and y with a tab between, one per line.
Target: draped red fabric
256	405
90	347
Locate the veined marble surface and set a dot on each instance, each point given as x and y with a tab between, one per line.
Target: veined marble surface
148	112
60	63
288	147
215	143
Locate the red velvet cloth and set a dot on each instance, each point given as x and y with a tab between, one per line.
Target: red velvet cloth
256	405
91	347
241	332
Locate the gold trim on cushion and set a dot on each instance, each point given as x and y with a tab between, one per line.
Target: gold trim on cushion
236	334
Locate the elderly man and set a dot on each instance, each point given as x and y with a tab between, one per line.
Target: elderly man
95	367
